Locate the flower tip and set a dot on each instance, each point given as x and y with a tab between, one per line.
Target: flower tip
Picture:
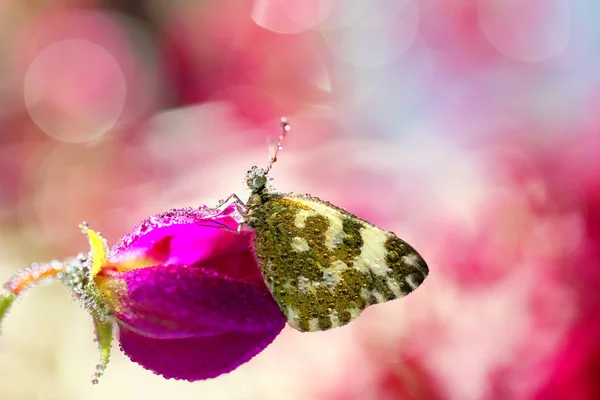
98	248
84	227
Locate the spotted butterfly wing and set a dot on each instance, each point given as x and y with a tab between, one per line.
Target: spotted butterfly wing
323	265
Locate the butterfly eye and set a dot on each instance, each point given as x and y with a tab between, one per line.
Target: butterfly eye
259	182
256	179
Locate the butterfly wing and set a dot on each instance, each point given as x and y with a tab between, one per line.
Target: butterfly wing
324	266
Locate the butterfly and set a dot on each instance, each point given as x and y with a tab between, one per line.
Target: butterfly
322	264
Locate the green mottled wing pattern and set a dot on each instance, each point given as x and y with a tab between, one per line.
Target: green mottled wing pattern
324	266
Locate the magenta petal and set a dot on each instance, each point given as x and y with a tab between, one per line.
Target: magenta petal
178	302
195	359
205	309
194	236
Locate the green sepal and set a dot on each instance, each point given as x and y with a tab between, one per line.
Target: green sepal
6	301
104	336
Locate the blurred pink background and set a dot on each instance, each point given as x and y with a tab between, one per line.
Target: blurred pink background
469	128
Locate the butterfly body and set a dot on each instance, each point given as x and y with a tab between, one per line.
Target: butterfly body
322	264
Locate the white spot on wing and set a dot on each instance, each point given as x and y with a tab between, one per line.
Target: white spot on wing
303	284
339	266
378	296
300	245
335	232
335	319
293	318
411	281
354	312
372	254
361	267
300	220
288	286
413	261
395	287
366	295
331	277
313	325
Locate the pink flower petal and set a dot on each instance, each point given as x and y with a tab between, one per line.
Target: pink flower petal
196	236
204	309
180	302
195	359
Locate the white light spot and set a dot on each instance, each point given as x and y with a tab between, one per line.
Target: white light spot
284	16
75	90
270	15
526	30
313	325
293	318
369	33
303	284
300	245
411	281
401	85
372	254
335	319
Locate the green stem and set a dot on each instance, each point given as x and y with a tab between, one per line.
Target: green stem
6	300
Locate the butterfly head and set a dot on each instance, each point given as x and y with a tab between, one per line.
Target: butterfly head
256	179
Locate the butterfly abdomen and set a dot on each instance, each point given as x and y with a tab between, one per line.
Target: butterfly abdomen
323	265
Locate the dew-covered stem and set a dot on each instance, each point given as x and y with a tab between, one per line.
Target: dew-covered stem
32	275
26	278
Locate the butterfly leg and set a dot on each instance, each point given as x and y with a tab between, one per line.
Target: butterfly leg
240	207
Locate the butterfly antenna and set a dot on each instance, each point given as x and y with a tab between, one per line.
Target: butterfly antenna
285	128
